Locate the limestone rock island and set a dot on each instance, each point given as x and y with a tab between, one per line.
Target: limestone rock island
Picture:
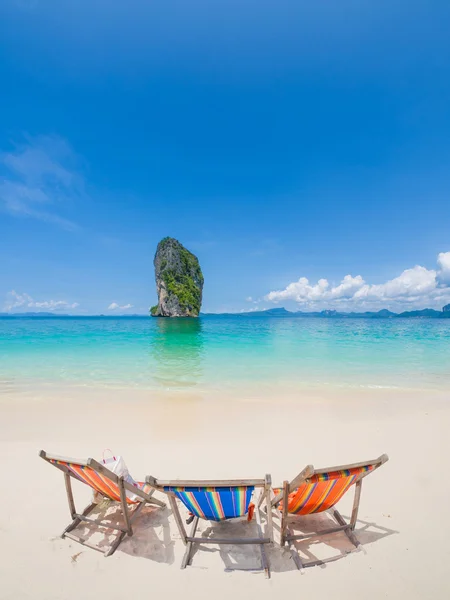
179	281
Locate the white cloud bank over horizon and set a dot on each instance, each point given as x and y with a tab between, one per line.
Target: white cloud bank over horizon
417	287
115	306
25	301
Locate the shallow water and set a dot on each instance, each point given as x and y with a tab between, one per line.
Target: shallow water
225	352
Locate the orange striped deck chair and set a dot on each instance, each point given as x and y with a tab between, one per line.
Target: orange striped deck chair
105	484
317	490
218	500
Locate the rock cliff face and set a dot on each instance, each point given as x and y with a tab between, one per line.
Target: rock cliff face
446	308
179	281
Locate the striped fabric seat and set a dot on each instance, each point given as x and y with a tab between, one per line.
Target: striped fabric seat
98	482
214	503
322	491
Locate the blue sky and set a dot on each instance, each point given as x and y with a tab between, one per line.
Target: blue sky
279	141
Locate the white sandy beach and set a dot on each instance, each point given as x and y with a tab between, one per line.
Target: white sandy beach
403	527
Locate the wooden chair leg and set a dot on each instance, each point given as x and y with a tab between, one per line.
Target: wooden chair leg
348	532
177	516
264	561
261	498
284	513
68	483
123	500
122	534
77	521
189	545
268	487
73	511
358	486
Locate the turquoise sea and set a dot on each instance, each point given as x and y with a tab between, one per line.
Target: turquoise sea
225	351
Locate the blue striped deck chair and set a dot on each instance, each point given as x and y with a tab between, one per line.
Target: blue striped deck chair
315	491
218	501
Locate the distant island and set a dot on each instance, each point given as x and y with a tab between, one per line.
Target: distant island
279	313
65	315
333	314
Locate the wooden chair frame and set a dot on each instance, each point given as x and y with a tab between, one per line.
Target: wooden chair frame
189	540
348	528
128	514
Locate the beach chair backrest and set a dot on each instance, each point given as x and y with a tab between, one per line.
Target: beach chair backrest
90	472
214	503
321	489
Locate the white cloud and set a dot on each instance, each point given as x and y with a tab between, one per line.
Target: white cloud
249	310
300	291
25	301
443	261
412	283
38	176
16	300
416	287
54	304
115	306
348	286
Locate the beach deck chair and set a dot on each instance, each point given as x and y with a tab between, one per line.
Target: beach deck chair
318	490
106	484
213	500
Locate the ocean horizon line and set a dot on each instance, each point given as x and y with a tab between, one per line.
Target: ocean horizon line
279	312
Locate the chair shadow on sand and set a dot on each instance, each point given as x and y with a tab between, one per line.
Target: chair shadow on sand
151	537
326	548
235	557
248	558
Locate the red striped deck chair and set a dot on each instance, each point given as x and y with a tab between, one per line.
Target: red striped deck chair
218	501
105	484
317	490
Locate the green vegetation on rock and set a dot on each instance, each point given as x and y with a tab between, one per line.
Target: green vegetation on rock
179	280
185	289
